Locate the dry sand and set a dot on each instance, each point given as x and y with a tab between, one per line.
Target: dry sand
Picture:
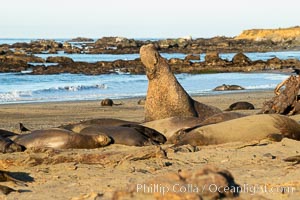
84	174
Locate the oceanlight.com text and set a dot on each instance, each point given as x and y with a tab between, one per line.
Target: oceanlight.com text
192	188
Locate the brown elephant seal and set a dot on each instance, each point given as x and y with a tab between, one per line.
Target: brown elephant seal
165	96
77	127
120	135
9	146
241	105
61	139
245	129
217	118
225	87
109	102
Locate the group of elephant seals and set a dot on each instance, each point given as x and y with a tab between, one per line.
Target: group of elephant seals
174	127
120	135
165	96
225	87
61	139
120	131
245	129
241	105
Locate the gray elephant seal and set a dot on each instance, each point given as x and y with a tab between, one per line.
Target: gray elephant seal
61	139
120	135
245	129
241	105
165	96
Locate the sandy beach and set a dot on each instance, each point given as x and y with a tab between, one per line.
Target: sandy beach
60	174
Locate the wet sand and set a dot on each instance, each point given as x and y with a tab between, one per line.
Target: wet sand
62	175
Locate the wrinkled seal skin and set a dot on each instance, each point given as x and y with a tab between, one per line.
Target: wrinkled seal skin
9	146
165	96
120	135
61	139
244	129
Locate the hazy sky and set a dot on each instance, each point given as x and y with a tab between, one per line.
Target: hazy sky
138	18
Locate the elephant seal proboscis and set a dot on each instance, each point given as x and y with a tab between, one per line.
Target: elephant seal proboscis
61	139
165	96
245	129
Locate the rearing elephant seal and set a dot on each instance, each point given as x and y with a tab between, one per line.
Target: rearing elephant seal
165	96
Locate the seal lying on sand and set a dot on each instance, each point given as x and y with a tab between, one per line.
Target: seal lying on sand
61	139
165	96
171	127
126	135
228	87
217	118
241	105
245	129
118	130
109	102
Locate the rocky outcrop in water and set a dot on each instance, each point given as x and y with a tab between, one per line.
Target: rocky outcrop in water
257	40
280	35
17	62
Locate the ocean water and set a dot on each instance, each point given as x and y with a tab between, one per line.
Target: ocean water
22	88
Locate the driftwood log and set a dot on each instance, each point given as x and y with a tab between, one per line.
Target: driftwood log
286	101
